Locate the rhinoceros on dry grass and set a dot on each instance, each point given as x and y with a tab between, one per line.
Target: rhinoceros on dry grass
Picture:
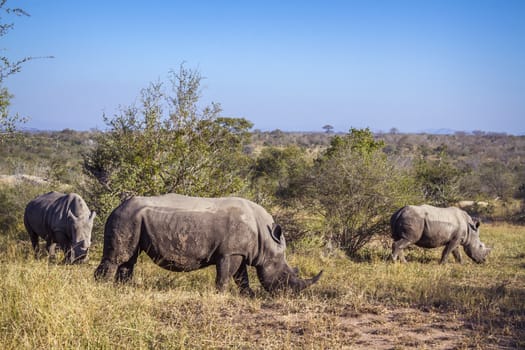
183	233
62	219
430	227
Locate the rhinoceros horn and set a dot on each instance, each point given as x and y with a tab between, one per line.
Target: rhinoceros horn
298	284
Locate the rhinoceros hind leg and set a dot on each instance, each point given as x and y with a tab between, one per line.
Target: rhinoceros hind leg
397	249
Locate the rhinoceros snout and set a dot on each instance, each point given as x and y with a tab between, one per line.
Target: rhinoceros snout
81	259
79	255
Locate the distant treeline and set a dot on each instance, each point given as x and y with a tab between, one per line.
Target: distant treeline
494	162
324	187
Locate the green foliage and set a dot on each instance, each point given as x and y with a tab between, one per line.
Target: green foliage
357	189
439	180
359	141
13	200
277	173
7	66
8	122
168	144
496	180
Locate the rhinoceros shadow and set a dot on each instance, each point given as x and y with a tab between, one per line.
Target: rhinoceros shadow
412	254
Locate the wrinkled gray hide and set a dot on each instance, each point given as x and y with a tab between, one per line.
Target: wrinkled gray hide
430	227
62	219
183	233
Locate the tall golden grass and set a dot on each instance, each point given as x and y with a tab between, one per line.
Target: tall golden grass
52	306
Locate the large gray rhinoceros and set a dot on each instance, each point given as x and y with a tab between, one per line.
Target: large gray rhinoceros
62	219
183	233
430	227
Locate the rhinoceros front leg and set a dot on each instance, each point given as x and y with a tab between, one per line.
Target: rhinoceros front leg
125	270
397	249
241	279
451	246
457	255
235	266
34	242
67	254
51	250
105	270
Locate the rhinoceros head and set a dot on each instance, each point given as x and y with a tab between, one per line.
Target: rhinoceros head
274	272
80	227
473	246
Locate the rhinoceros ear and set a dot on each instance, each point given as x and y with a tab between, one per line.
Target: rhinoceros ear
474	226
276	232
70	215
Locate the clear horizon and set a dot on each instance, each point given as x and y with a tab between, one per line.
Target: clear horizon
294	66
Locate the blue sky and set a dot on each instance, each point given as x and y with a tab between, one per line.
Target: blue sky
289	65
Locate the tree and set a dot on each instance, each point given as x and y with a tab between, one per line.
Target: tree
168	144
328	128
8	122
277	172
498	179
439	180
357	189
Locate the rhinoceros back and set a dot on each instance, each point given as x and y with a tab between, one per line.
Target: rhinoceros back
47	214
185	231
428	226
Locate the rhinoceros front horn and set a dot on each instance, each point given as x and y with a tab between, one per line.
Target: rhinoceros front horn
298	284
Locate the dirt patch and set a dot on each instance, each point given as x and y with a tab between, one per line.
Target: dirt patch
380	328
393	328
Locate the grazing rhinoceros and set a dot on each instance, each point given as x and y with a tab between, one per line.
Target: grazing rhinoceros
183	233
62	219
430	227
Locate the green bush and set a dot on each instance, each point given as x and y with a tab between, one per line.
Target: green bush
13	200
357	189
277	173
439	180
168	144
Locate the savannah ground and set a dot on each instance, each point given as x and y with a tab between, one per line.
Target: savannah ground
370	303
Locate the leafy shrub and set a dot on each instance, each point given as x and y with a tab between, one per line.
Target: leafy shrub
439	180
13	200
168	144
357	188
276	174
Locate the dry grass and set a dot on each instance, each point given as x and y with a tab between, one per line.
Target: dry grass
373	303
